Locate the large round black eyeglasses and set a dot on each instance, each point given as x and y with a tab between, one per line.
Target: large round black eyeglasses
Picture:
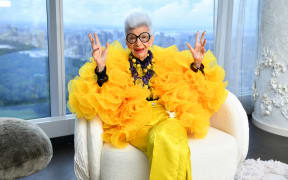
132	38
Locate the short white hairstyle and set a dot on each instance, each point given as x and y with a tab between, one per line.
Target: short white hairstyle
136	19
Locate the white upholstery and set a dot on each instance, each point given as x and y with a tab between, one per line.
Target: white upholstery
88	146
232	119
216	154
128	163
214	157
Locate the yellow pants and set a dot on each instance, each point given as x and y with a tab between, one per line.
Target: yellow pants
165	143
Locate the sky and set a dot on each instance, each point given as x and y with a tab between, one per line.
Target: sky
164	13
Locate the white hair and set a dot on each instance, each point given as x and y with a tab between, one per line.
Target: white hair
136	19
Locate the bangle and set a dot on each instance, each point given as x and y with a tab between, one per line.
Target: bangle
195	69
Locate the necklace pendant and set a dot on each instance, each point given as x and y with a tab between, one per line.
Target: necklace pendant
138	82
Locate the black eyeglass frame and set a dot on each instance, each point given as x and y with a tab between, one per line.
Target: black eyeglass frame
138	37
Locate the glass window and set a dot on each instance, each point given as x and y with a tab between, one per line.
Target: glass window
24	74
174	23
250	47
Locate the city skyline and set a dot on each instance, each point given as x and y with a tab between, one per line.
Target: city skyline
166	13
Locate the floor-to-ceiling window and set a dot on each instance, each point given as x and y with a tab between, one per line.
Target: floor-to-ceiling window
24	72
43	43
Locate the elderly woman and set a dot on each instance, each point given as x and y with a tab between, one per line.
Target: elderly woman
150	97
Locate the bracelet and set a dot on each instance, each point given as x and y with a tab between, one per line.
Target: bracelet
195	69
101	76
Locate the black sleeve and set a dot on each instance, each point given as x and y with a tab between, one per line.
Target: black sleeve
102	77
195	69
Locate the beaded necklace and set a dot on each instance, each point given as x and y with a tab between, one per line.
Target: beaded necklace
142	71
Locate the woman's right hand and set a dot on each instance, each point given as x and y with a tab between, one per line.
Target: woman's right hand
98	53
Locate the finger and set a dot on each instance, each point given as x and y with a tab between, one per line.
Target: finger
90	37
204	43
197	38
202	37
189	46
203	50
107	45
92	41
106	48
97	40
191	49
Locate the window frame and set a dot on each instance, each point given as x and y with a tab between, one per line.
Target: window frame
59	124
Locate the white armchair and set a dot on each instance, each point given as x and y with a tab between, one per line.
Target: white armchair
214	157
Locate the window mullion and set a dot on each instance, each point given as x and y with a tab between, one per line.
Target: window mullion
56	57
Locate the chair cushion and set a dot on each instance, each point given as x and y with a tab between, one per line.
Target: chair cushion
214	157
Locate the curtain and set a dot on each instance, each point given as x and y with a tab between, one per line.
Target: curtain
235	45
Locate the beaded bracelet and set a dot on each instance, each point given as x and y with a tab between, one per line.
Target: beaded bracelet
195	69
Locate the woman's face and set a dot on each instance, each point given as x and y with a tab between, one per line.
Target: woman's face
140	49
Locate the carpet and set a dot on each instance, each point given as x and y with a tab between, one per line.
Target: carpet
252	169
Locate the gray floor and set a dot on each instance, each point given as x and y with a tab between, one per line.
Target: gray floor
262	145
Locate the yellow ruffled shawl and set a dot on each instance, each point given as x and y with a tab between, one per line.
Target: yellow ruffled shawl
122	106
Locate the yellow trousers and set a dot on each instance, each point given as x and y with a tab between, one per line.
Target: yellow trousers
165	143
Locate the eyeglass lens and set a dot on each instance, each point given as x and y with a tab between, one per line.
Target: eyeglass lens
144	37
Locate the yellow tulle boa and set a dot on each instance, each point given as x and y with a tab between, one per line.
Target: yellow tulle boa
193	96
122	106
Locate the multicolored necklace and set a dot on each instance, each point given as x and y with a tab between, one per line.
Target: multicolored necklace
142	71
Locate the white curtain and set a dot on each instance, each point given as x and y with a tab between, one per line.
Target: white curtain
235	45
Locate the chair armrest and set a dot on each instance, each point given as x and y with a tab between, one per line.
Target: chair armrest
88	145
232	119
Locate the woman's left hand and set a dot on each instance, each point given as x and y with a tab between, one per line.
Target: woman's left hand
198	51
